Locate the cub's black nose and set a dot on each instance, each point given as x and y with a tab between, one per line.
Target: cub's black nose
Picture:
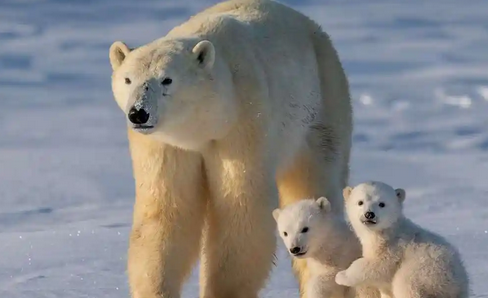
369	215
138	116
295	250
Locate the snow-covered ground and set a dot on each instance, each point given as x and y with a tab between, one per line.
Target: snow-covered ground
419	76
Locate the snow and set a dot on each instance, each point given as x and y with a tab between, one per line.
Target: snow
418	73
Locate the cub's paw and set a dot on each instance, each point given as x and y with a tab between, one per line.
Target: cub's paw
342	279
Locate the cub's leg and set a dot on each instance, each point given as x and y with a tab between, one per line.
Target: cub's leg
363	272
325	287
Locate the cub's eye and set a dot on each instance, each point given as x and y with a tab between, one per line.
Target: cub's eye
381	205
304	230
167	81
360	203
128	81
285	233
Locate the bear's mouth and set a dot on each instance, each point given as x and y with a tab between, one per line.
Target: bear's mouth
140	126
300	254
369	222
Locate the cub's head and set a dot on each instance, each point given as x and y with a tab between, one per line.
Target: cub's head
373	205
303	226
175	90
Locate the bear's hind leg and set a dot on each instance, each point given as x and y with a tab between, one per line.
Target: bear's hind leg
313	173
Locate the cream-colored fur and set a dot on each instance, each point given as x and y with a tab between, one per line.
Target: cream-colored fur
400	258
257	109
312	232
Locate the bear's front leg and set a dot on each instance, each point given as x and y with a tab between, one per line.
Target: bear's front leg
239	240
360	272
168	218
324	287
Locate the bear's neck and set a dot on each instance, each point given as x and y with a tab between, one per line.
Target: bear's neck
338	229
376	243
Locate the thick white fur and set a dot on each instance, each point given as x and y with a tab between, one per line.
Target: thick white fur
400	258
327	244
258	109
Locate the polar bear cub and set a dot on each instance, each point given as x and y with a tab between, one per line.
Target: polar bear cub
311	231
400	258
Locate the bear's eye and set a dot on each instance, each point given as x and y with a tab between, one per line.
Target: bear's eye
381	205
167	81
360	203
127	81
304	230
285	233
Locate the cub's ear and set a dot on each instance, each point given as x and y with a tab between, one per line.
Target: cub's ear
276	214
323	203
401	194
346	192
118	53
204	52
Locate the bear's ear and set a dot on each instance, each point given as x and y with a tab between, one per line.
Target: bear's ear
400	194
346	192
323	203
204	52
118	53
276	214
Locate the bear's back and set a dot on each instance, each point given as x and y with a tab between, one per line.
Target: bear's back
260	18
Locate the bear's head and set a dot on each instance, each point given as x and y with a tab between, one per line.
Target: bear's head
303	226
176	90
373	205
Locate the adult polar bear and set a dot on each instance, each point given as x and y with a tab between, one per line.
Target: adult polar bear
244	103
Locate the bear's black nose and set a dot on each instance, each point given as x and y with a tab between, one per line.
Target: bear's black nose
138	116
295	250
369	215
